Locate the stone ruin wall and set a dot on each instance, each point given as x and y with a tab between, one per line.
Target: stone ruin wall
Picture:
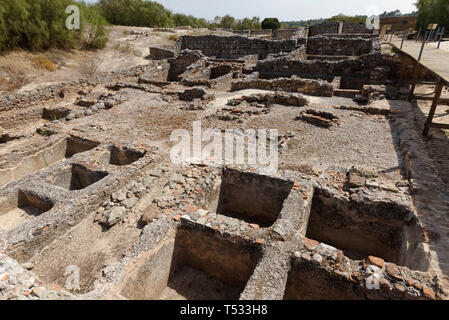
294	84
235	46
368	69
338	28
351	27
57	90
323	28
160	53
287	67
261	32
323	45
285	34
346	28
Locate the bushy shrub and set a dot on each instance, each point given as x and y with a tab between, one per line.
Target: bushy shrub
344	18
144	13
3	31
41	24
136	13
173	38
44	63
433	11
180	19
271	23
94	34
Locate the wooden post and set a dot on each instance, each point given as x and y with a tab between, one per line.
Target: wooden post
416	73
433	108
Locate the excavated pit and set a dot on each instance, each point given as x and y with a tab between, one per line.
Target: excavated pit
220	70
307	281
20	207
193	265
55	113
360	229
5	138
253	198
76	177
121	157
63	149
353	82
198	254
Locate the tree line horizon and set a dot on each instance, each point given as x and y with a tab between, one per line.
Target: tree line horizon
38	25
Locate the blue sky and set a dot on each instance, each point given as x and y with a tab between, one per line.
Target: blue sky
285	9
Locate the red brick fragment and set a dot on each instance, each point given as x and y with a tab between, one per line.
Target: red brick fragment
310	244
378	262
429	293
191	209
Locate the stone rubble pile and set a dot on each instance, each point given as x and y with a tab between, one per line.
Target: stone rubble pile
18	283
284	98
319	118
114	210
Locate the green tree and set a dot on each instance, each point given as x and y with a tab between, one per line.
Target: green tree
227	22
136	13
3	30
343	18
433	11
41	24
247	23
94	32
271	23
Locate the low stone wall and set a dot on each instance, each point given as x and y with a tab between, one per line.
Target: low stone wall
221	83
284	98
294	84
314	68
327	58
186	58
160	54
56	91
323	45
352	27
245	33
327	27
285	34
351	35
276	34
233	47
261	32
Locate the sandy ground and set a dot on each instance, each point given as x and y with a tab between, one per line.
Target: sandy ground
127	47
188	284
17	216
442	112
444	45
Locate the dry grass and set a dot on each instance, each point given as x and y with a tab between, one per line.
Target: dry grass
4	85
127	48
44	63
89	68
15	70
173	38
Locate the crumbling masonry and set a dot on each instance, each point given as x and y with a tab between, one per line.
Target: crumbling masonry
356	209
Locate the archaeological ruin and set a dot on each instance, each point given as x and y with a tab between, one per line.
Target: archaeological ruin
356	209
